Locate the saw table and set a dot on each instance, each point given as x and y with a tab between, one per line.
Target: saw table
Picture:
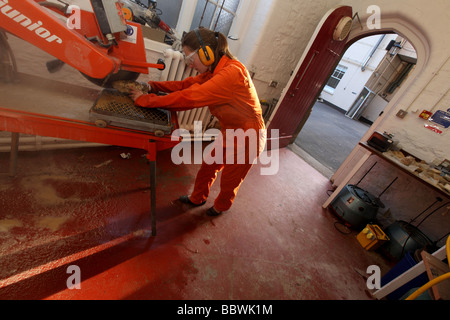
32	105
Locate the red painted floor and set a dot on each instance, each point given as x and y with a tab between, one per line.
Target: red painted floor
90	208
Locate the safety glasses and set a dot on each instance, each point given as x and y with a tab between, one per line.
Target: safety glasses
190	58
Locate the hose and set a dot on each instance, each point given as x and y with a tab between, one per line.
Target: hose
438	199
428	285
435	281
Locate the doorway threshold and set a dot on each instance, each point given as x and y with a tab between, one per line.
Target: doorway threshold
324	170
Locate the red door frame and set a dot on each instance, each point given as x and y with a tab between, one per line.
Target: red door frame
318	64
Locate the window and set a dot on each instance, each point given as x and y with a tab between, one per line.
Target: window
336	77
215	15
168	11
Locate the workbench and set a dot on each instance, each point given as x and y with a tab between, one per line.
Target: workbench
396	164
405	169
420	267
32	105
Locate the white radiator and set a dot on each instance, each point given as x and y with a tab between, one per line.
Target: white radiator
175	70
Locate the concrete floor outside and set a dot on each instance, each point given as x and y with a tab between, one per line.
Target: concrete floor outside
327	138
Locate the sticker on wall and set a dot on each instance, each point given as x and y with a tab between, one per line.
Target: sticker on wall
441	118
425	114
401	114
433	127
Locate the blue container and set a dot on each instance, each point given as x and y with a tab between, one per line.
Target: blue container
403	265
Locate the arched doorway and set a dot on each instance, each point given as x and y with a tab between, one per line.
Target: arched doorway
319	61
367	77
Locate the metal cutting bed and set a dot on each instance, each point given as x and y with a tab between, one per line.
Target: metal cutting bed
117	109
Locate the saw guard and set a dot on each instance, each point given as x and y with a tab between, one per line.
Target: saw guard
31	22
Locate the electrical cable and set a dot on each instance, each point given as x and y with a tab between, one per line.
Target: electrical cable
435	281
437	241
218	16
438	199
366	173
203	14
379	196
446	204
409	235
336	223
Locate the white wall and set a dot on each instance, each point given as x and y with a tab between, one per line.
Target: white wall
247	27
377	105
355	78
282	34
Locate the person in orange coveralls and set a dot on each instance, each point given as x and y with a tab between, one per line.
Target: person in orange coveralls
224	85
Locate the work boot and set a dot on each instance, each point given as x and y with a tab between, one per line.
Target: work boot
213	212
186	200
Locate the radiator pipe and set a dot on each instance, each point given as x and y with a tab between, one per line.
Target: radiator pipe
366	62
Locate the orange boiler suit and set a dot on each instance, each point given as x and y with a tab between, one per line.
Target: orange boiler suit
232	98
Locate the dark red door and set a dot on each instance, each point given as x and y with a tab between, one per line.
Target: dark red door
316	68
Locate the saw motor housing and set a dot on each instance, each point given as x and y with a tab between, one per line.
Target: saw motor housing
109	17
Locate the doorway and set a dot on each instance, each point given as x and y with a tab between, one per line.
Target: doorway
327	138
317	63
353	97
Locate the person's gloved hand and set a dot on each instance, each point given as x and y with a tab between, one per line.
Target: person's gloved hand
134	94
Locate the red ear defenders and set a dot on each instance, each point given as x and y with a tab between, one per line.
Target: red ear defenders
205	53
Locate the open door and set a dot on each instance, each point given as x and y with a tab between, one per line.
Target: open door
314	69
